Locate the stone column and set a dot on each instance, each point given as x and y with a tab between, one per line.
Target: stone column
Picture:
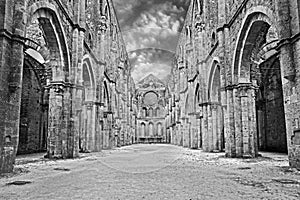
220	127
97	128
285	46
90	127
289	51
252	122
199	130
172	135
204	126
245	148
194	132
54	148
215	131
12	27
245	143
65	132
101	125
230	145
186	134
238	124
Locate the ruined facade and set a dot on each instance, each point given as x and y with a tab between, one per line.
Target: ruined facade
65	79
235	80
66	84
151	98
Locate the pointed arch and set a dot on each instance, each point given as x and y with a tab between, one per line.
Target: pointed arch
47	16
214	76
88	79
258	20
106	97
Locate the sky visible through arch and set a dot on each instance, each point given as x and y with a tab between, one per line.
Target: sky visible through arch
150	30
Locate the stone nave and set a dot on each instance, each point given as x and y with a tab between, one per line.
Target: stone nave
66	84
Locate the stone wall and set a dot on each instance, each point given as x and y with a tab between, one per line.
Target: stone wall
247	34
30	135
78	93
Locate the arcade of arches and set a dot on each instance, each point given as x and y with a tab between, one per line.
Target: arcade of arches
66	84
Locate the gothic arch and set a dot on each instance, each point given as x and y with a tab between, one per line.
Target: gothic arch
157	112
50	22
159	129
143	129
88	79
151	129
255	23
214	76
106	97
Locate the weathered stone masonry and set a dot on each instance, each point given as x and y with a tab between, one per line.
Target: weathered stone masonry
65	79
235	81
66	84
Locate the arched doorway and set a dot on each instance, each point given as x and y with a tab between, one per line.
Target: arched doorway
271	127
257	96
45	73
151	130
34	108
217	137
159	130
89	138
143	130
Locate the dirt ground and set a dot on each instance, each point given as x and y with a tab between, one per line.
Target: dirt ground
152	172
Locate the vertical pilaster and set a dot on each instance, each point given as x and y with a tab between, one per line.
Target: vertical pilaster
11	69
230	146
204	126
54	149
215	131
239	116
245	123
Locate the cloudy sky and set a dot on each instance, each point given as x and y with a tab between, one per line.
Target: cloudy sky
150	30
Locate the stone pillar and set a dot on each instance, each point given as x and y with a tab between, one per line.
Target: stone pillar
199	130
230	145
285	46
238	124
242	142
175	134
172	135
244	134
111	138
54	148
204	127
186	133
101	125
252	123
12	27
75	78
210	131
90	140
215	131
66	134
194	131
220	122
289	63
97	129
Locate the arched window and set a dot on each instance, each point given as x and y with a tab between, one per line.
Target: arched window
145	112
151	130
151	112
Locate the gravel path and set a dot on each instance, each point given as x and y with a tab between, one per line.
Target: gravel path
152	172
